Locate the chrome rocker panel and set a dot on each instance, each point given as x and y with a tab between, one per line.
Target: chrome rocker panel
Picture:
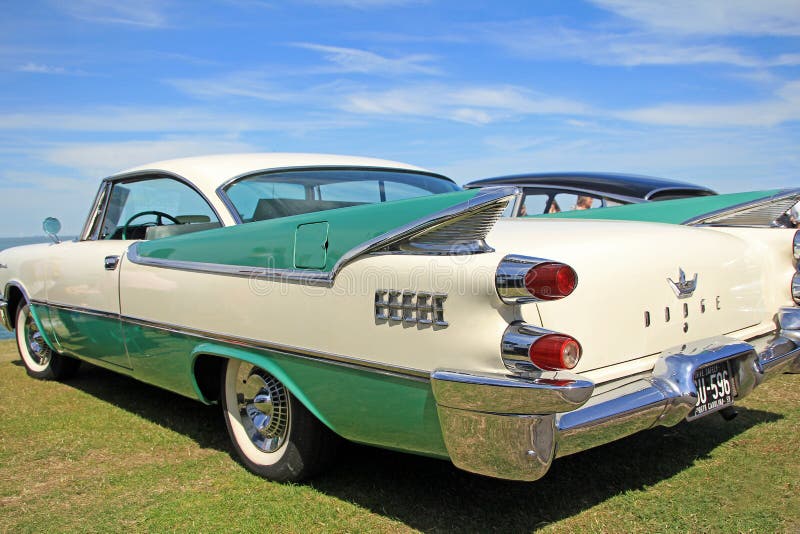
511	427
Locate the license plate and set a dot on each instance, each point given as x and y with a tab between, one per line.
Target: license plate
716	389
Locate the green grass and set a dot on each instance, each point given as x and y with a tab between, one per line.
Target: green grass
104	453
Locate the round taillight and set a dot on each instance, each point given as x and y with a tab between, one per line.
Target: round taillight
554	352
796	287
551	280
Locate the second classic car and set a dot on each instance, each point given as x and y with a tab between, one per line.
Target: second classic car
313	296
554	192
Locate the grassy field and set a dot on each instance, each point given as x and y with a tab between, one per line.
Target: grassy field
103	452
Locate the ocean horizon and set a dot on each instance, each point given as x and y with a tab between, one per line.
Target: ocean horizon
8	242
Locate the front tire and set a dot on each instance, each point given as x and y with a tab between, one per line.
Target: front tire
40	360
274	435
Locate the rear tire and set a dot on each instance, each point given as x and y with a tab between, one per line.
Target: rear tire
274	435
40	360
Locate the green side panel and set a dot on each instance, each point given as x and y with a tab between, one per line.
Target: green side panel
89	336
363	406
162	358
271	243
667	211
311	246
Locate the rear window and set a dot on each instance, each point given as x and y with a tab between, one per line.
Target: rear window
282	194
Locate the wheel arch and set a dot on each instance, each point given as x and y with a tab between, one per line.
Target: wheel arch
16	296
209	359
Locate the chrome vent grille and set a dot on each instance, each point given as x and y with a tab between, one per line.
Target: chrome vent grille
762	213
459	235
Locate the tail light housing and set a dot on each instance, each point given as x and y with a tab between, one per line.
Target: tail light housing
555	352
796	287
796	246
529	348
522	279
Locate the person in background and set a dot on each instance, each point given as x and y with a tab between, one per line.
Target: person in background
584	203
554	207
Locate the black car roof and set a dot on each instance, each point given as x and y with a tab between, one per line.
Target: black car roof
630	185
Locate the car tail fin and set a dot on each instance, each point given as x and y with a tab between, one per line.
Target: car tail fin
769	212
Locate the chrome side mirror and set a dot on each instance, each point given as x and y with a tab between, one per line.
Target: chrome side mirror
51	227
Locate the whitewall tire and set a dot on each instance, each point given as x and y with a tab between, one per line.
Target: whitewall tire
274	435
39	359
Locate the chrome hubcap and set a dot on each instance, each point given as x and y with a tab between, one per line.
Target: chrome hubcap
37	347
263	405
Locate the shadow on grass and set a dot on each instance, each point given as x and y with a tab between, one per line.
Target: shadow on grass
200	422
433	495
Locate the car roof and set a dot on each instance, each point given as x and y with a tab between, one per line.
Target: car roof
628	185
209	172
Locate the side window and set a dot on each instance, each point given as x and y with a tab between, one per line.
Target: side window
361	192
569	202
533	204
246	194
155	208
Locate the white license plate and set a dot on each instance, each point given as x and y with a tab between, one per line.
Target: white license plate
716	389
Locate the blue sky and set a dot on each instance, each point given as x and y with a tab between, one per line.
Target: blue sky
702	91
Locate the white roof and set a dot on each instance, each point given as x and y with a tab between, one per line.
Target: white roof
209	172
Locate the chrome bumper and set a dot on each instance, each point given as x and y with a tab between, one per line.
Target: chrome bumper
5	319
511	427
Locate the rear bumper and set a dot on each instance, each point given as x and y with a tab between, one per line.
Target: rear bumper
512	428
5	319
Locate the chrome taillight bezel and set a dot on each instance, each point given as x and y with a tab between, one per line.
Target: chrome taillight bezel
510	279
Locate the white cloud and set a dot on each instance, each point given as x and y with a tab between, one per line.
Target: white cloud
141	13
783	107
39	68
164	120
473	105
102	159
712	17
362	61
547	39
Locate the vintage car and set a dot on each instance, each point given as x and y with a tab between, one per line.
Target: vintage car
318	296
555	192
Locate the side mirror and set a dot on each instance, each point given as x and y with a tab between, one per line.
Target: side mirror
51	227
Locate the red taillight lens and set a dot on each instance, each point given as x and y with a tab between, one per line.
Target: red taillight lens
554	352
551	281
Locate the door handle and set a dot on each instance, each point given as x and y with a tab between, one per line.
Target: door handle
111	262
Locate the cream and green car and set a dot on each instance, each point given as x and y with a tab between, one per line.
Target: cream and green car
316	297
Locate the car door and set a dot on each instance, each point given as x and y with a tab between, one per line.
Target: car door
83	299
83	277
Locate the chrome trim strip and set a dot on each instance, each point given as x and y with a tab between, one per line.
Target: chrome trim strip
732	210
288	350
482	200
93	213
303	276
78	309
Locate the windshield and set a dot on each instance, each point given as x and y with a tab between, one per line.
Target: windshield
282	194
